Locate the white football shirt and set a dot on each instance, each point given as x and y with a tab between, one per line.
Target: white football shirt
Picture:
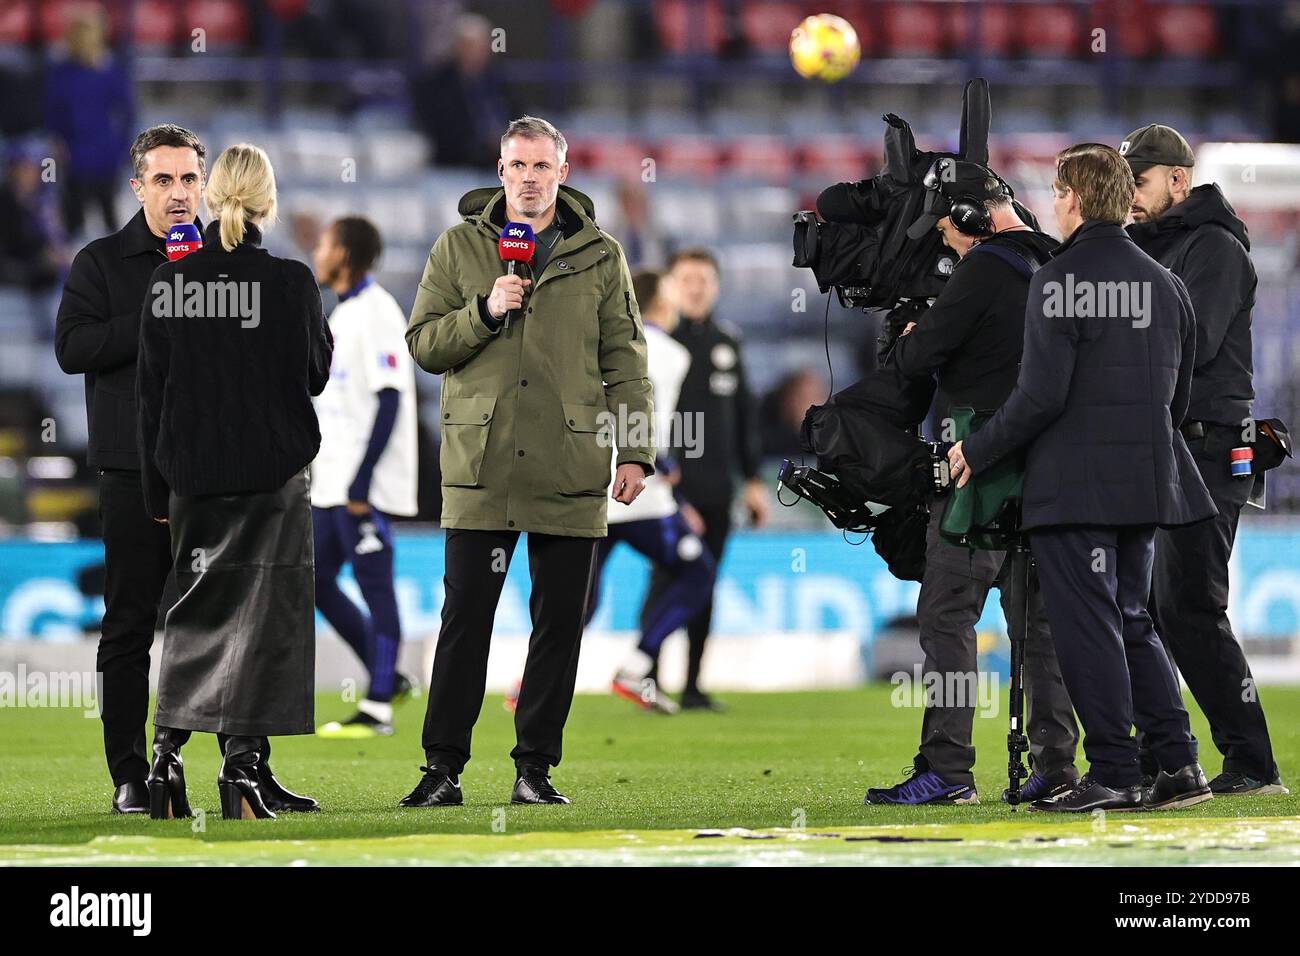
370	355
667	361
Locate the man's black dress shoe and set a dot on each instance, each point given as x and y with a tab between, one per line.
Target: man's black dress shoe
1089	795
132	797
437	788
1182	788
534	786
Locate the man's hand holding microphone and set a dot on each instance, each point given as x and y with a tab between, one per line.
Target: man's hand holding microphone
507	295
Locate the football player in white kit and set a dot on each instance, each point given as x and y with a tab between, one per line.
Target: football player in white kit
656	524
365	472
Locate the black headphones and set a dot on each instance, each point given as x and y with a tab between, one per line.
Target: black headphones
968	213
971	217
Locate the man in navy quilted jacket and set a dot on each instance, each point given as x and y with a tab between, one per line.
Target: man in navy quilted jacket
1110	342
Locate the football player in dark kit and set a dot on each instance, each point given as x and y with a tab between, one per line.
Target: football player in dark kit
1196	234
971	339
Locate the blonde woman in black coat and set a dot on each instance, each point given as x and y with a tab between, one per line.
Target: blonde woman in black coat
233	345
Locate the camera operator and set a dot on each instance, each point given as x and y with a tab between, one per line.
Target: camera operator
1196	234
971	340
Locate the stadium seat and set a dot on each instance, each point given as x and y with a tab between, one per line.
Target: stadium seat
762	158
910	29
156	25
16	22
225	22
1050	30
690	27
395	154
608	156
1128	25
989	28
833	159
689	157
1185	31
767	24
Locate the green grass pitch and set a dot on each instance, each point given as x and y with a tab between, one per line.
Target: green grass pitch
779	778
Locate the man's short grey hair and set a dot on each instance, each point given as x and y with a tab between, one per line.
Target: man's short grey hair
166	134
1002	199
534	127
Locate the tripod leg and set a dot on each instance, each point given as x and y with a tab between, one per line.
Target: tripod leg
1017	740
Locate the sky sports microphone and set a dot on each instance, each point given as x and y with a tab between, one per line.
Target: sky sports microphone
517	244
182	239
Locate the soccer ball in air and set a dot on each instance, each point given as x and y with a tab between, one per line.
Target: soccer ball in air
824	47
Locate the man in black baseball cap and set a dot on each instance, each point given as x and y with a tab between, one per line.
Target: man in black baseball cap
1196	234
1162	163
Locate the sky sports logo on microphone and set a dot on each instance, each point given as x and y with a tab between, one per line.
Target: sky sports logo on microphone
517	242
183	239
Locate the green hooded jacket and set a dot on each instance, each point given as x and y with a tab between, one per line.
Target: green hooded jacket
531	413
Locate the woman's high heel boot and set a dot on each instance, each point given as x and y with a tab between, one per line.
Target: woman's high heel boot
275	795
166	780
241	797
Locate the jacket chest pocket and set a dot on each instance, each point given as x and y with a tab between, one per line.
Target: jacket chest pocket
465	426
584	468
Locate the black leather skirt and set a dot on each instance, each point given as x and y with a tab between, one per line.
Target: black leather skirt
239	648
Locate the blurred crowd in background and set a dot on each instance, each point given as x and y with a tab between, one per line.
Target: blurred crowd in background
686	126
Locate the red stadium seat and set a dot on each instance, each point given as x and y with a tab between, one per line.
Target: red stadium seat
994	26
155	24
224	22
1185	31
686	27
15	22
912	29
767	24
764	158
1129	25
688	157
1050	30
608	155
835	159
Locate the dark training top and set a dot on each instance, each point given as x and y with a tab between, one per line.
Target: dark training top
1203	242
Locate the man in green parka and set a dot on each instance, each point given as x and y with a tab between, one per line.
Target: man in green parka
544	374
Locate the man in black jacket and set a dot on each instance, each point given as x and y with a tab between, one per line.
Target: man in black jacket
970	340
1110	341
1196	234
96	335
719	438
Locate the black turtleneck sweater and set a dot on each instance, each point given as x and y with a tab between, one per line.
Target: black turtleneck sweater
227	370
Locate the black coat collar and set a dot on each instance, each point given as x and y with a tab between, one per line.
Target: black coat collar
136	236
212	235
1092	229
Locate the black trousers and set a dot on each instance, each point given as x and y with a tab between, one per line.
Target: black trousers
137	560
717	528
955	587
1190	604
1096	584
561	569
